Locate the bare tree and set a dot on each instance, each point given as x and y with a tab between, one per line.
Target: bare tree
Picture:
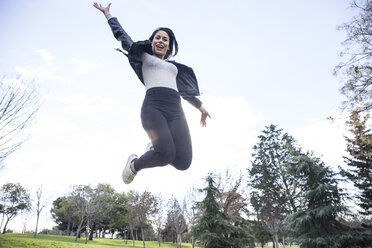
18	107
39	207
357	66
176	214
191	211
159	217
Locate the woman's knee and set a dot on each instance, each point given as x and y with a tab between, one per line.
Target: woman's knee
182	163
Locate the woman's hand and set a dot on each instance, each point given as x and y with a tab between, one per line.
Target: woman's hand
204	116
103	9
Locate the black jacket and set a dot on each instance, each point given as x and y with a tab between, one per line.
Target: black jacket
187	83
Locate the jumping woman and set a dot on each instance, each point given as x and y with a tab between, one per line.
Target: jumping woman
162	115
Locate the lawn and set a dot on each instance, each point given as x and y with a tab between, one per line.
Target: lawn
11	240
53	241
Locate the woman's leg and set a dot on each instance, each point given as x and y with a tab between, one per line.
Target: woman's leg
182	141
164	151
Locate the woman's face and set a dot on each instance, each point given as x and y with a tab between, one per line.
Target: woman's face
160	44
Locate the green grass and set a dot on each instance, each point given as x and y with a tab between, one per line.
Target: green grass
12	240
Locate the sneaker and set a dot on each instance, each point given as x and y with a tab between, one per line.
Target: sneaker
149	147
128	174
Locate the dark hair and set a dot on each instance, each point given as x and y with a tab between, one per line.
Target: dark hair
172	41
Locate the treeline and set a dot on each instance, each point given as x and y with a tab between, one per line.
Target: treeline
285	196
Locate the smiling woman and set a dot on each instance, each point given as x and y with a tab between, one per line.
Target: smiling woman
162	115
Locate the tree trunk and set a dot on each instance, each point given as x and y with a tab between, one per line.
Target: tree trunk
86	230
6	224
79	228
283	240
143	238
37	224
273	239
159	236
68	228
2	221
72	229
192	241
131	232
125	234
276	240
180	240
92	231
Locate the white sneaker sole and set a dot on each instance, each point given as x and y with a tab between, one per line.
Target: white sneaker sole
128	174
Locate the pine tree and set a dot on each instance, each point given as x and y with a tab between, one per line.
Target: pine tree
261	235
359	146
317	224
274	191
212	227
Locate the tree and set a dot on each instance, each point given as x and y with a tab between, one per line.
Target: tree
14	200
317	224
212	226
176	215
274	190
18	107
359	147
143	206
119	214
235	206
261	235
80	198
191	212
168	232
130	209
357	67
39	207
64	214
159	218
100	206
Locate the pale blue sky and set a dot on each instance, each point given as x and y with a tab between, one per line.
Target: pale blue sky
257	62
278	55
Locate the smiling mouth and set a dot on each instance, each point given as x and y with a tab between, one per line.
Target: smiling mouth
159	47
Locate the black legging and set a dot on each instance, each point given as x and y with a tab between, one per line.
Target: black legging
164	121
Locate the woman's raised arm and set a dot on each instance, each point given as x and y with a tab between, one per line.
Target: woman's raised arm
104	10
117	30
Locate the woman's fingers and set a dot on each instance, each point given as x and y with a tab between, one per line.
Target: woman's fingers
101	8
203	120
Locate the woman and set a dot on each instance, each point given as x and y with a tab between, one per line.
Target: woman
161	114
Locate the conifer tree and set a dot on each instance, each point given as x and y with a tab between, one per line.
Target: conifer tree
212	227
318	223
273	188
359	147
